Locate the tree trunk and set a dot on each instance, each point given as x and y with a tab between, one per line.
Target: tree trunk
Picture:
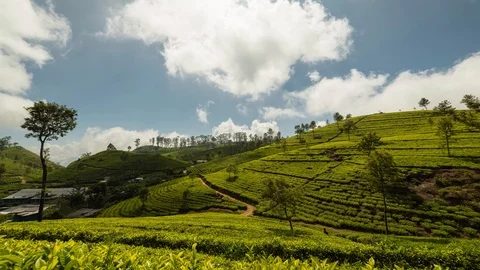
448	146
385	211
44	182
289	219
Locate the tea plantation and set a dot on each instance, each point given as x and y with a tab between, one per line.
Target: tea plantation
224	241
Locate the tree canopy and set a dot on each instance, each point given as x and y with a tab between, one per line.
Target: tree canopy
282	198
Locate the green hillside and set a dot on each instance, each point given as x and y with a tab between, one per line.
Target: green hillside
247	239
115	164
442	194
23	169
173	197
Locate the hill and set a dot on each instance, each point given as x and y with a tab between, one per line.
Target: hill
117	165
441	193
23	169
238	240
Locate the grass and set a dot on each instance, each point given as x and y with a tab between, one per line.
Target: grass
235	237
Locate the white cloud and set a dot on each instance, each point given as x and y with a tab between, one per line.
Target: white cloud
96	140
173	134
271	113
314	76
242	109
257	127
202	112
25	29
12	112
246	48
358	93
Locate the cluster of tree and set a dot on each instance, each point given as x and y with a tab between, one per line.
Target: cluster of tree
209	140
302	128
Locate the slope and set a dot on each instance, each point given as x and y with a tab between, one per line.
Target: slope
336	193
23	169
115	164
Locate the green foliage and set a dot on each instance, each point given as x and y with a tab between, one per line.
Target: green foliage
349	127
369	142
282	197
424	103
111	147
225	235
472	102
445	130
445	108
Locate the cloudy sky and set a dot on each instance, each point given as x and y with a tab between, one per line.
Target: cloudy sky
142	68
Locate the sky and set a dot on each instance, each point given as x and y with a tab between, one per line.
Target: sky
142	68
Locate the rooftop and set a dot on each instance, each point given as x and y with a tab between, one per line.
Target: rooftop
33	192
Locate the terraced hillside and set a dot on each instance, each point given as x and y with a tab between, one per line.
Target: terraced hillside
23	169
115	164
173	197
442	194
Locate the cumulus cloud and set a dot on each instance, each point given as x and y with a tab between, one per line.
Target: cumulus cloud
246	48
359	93
242	109
25	29
202	112
257	127
271	113
314	76
96	139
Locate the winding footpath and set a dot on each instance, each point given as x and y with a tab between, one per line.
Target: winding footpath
250	208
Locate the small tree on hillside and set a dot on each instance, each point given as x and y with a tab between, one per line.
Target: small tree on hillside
143	196
111	147
137	142
232	168
313	126
424	103
369	142
383	174
337	117
4	143
445	108
129	148
47	122
348	116
445	131
472	102
2	170
284	145
349	127
192	176
282	198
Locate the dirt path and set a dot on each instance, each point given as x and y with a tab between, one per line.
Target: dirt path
250	208
23	179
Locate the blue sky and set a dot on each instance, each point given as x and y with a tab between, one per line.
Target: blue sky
119	77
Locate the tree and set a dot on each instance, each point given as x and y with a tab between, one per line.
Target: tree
111	147
232	168
424	103
313	126
282	198
337	117
137	142
284	145
143	196
348	116
129	148
369	142
445	131
4	143
299	131
472	102
192	176
445	108
383	174
2	169
47	122
349	127
85	155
